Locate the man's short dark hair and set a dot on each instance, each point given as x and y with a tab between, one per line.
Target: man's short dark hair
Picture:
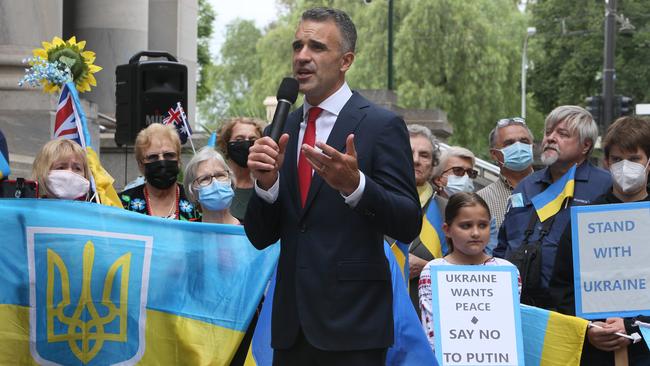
342	21
628	133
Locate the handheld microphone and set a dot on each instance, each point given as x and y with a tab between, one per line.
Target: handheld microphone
287	95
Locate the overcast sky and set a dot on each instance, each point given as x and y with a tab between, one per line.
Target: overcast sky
260	11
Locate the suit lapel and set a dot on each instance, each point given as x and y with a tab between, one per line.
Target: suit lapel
346	123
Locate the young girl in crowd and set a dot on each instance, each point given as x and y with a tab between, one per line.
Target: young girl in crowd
467	228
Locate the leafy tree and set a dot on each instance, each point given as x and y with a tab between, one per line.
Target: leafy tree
204	60
233	77
462	57
567	52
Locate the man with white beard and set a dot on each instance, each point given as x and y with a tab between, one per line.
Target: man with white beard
569	136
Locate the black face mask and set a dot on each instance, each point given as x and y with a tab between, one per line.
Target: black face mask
238	152
162	173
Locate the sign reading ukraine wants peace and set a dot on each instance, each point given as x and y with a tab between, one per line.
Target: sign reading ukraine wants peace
86	284
610	260
476	315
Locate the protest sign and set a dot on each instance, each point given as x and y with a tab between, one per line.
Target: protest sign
477	321
610	251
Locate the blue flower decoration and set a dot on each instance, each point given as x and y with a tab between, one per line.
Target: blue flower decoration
185	206
137	204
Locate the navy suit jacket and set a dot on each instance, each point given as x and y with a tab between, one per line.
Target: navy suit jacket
333	279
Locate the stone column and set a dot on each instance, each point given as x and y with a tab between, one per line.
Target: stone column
173	28
115	30
23	26
25	112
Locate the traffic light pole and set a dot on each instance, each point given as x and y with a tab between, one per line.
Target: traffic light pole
609	73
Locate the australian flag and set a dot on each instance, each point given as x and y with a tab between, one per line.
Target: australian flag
68	123
176	116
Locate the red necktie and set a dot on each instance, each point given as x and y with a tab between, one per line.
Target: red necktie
304	169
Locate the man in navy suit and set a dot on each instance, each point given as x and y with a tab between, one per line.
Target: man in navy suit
338	180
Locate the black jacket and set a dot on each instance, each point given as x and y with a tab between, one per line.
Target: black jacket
333	279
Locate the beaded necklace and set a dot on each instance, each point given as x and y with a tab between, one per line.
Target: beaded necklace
175	206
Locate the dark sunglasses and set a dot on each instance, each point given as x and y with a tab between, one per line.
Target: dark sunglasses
459	172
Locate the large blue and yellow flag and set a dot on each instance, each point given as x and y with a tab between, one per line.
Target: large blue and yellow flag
410	347
86	284
549	202
550	338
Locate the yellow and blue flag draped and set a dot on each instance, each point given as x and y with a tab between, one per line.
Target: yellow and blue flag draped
5	170
86	284
551	338
410	346
549	202
431	233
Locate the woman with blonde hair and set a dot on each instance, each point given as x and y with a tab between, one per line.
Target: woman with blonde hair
157	151
61	170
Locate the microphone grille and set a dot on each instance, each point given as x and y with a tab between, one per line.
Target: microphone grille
288	90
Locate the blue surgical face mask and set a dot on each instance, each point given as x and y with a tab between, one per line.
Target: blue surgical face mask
216	196
457	184
518	156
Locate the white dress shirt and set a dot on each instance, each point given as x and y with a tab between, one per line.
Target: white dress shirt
331	106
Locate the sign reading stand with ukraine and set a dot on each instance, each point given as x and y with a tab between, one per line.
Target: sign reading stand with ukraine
610	260
86	284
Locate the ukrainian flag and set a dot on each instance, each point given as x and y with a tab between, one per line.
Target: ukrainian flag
549	202
410	347
551	338
86	284
4	167
401	254
431	234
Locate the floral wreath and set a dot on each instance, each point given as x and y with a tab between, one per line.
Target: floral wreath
60	62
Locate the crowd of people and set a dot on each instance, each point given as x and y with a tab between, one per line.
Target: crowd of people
346	175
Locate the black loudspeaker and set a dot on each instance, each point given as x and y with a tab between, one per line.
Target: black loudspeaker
145	91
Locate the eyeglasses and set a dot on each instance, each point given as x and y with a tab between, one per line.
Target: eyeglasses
508	121
206	180
459	172
167	155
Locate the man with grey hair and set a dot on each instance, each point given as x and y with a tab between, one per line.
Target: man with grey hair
511	147
569	136
338	180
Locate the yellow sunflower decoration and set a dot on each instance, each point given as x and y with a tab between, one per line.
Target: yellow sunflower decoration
71	54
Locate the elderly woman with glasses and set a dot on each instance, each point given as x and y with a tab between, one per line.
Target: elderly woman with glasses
157	151
209	183
456	172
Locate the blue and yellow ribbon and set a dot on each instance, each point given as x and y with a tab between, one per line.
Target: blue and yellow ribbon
549	202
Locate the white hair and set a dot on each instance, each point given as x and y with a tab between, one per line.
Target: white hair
206	153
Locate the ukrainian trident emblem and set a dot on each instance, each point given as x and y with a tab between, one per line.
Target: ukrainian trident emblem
87	300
